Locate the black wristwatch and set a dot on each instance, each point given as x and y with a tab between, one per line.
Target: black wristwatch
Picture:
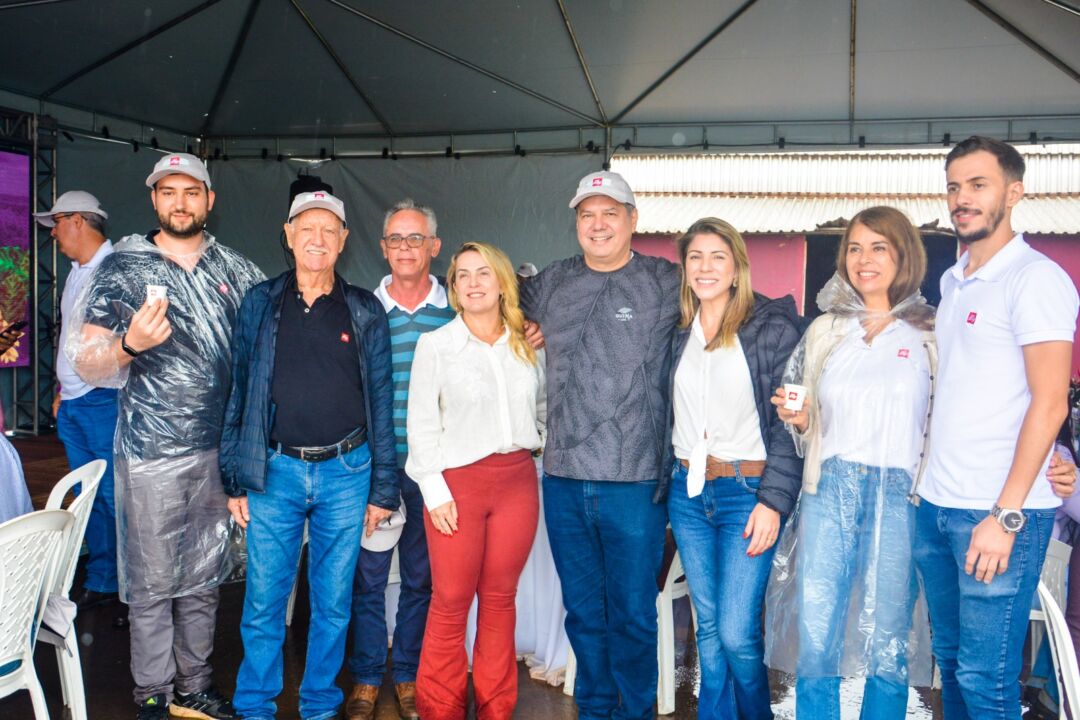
127	348
1012	521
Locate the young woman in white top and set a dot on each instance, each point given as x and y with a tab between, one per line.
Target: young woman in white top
476	412
842	596
736	472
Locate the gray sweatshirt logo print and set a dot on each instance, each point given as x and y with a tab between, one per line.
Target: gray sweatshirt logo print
624	314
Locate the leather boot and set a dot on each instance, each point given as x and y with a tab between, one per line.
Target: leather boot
361	702
406	698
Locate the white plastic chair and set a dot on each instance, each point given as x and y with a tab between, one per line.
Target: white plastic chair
29	547
1054	572
675	587
67	652
1061	651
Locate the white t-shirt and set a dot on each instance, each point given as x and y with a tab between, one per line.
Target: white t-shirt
714	396
874	397
1018	298
71	385
468	400
436	297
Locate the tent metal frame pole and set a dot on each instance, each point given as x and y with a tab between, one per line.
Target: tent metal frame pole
685	59
1062	5
851	71
343	68
1026	39
234	57
465	63
28	3
142	39
581	60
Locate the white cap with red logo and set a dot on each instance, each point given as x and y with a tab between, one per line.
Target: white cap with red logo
319	199
604	183
179	164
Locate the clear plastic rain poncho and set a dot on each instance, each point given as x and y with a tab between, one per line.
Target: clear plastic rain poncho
843	599
176	535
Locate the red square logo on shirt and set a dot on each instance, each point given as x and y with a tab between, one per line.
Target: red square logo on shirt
971	318
223	288
344	337
903	353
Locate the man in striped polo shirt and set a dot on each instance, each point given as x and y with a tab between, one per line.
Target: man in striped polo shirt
415	303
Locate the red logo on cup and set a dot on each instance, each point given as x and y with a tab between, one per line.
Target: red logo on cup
344	337
792	395
174	161
903	353
223	288
971	318
597	182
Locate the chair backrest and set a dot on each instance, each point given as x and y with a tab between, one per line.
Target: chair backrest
1062	651
1056	568
90	477
28	551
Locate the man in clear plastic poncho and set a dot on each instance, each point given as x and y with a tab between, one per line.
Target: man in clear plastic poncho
155	321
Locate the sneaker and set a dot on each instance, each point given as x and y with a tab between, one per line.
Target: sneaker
208	704
154	708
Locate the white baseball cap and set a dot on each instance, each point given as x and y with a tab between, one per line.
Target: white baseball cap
387	533
318	199
72	201
604	183
179	164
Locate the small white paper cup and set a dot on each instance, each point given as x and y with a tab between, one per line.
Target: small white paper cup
156	292
796	396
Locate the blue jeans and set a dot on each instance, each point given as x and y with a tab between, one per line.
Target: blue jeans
727	588
607	540
978	629
367	661
86	425
332	496
857	527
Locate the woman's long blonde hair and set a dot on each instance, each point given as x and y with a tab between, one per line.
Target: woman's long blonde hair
741	303
509	311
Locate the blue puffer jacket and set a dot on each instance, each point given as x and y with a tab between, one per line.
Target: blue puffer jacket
249	414
768	338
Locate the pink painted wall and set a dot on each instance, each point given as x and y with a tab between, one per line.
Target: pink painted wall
777	262
1065	251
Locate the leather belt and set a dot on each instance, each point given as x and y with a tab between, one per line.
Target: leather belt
326	452
722	469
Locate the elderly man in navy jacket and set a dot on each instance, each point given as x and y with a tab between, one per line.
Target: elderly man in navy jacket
309	435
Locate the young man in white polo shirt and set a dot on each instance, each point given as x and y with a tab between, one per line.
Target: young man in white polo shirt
1004	331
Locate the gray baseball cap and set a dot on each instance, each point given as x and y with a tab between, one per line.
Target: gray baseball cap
318	199
604	183
179	164
73	201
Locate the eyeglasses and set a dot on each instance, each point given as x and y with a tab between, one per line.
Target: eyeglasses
414	241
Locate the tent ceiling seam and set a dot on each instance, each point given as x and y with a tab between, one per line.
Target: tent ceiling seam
343	68
128	47
1025	38
466	63
581	60
234	57
685	59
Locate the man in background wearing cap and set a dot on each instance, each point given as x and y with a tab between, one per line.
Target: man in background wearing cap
155	320
312	382
85	415
608	317
415	303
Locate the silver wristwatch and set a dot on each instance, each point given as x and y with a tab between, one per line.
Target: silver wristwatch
1012	521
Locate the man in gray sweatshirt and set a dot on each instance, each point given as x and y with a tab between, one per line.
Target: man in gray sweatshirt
607	316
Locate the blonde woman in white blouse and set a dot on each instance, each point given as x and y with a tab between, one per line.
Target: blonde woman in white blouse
476	412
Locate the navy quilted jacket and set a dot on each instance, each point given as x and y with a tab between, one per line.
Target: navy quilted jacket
249	414
768	338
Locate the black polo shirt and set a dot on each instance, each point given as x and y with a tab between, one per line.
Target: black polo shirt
316	389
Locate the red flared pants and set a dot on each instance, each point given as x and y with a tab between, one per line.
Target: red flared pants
497	504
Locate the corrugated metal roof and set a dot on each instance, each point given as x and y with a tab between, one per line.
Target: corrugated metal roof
774	214
797	192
